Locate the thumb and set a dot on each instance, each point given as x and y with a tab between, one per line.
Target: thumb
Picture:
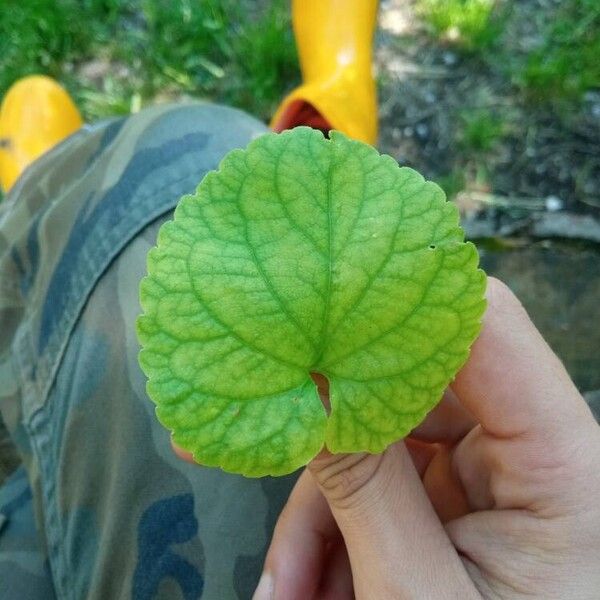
397	546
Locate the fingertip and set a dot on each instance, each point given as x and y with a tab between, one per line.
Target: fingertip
513	382
501	299
183	454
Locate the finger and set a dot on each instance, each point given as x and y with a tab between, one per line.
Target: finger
396	544
447	423
524	454
336	583
513	383
296	556
421	454
183	454
433	462
509	546
444	488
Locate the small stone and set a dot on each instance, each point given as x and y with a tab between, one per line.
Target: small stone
554	203
122	71
395	20
589	188
96	68
453	34
408	132
449	58
565	225
422	131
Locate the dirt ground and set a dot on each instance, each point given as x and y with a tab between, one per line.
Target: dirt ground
547	156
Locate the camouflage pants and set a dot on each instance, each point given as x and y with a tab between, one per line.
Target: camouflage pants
102	508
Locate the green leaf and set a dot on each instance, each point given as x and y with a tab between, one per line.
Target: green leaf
304	255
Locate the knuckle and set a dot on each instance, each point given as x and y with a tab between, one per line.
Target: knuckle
345	479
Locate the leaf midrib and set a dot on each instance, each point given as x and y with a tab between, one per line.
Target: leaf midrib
330	265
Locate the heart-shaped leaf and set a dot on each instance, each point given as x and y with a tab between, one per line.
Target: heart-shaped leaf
304	255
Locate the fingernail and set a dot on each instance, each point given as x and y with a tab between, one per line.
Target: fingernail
264	591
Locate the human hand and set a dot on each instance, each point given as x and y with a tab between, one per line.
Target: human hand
495	495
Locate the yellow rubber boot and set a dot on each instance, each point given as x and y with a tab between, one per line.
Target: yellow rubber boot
35	115
334	39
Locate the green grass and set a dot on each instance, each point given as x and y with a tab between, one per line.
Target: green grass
452	183
237	52
267	62
468	24
480	130
564	63
567	61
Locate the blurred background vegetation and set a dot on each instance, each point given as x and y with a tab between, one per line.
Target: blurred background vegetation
563	60
116	55
468	88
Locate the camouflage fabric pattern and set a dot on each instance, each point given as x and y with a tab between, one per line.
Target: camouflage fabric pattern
102	508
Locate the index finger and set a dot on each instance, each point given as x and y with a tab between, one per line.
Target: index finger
513	383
